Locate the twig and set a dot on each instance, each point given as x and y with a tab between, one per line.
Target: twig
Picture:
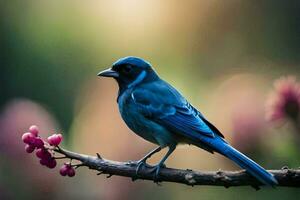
285	177
61	157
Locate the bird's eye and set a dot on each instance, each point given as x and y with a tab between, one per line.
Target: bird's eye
127	68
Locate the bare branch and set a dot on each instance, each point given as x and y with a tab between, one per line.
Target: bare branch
285	177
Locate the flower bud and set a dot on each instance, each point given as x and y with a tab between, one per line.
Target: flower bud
34	130
28	138
55	139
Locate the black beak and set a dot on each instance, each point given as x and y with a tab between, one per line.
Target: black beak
109	73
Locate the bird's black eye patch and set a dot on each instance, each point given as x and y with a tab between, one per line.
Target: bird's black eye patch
126	69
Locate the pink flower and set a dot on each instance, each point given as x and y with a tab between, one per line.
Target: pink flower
284	102
248	124
55	139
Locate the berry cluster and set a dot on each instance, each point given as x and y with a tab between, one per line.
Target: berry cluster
67	169
45	149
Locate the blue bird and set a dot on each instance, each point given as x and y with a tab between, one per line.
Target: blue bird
157	112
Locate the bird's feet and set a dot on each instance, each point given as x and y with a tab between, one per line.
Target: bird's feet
156	171
152	169
139	164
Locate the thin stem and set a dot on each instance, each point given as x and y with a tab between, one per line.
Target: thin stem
62	157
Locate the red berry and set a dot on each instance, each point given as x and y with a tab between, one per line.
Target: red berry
64	170
43	154
28	138
29	148
51	163
44	162
71	172
55	139
38	143
34	130
40	153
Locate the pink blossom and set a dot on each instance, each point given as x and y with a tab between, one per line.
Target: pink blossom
284	101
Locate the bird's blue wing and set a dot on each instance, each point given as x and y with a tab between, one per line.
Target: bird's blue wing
163	104
185	121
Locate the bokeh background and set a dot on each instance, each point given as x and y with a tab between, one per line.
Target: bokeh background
222	55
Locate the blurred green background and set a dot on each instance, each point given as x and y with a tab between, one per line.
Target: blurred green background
222	55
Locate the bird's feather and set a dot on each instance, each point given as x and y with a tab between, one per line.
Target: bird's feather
163	104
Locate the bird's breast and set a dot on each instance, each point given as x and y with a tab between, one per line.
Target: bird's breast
139	124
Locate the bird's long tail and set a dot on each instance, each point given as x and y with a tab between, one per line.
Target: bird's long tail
246	163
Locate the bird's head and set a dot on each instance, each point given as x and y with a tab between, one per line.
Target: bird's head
130	71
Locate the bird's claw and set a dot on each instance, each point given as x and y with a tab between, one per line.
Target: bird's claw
156	170
140	163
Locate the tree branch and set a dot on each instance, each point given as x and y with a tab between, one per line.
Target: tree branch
285	177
